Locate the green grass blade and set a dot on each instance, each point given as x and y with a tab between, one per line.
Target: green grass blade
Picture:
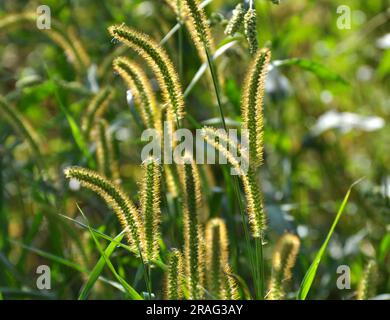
97	270
312	271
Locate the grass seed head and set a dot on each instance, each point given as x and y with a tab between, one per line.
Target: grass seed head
183	15
150	207
252	105
160	63
254	204
65	38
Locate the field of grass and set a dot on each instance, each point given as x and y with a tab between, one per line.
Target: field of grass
308	80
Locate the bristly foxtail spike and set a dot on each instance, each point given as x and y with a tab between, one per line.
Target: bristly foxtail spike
150	207
236	21
175	276
252	104
193	231
96	109
230	149
234	153
60	40
199	21
160	63
216	256
368	282
106	161
283	260
139	85
116	198
250	28
79	49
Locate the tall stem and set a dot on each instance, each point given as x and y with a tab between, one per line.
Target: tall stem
259	263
